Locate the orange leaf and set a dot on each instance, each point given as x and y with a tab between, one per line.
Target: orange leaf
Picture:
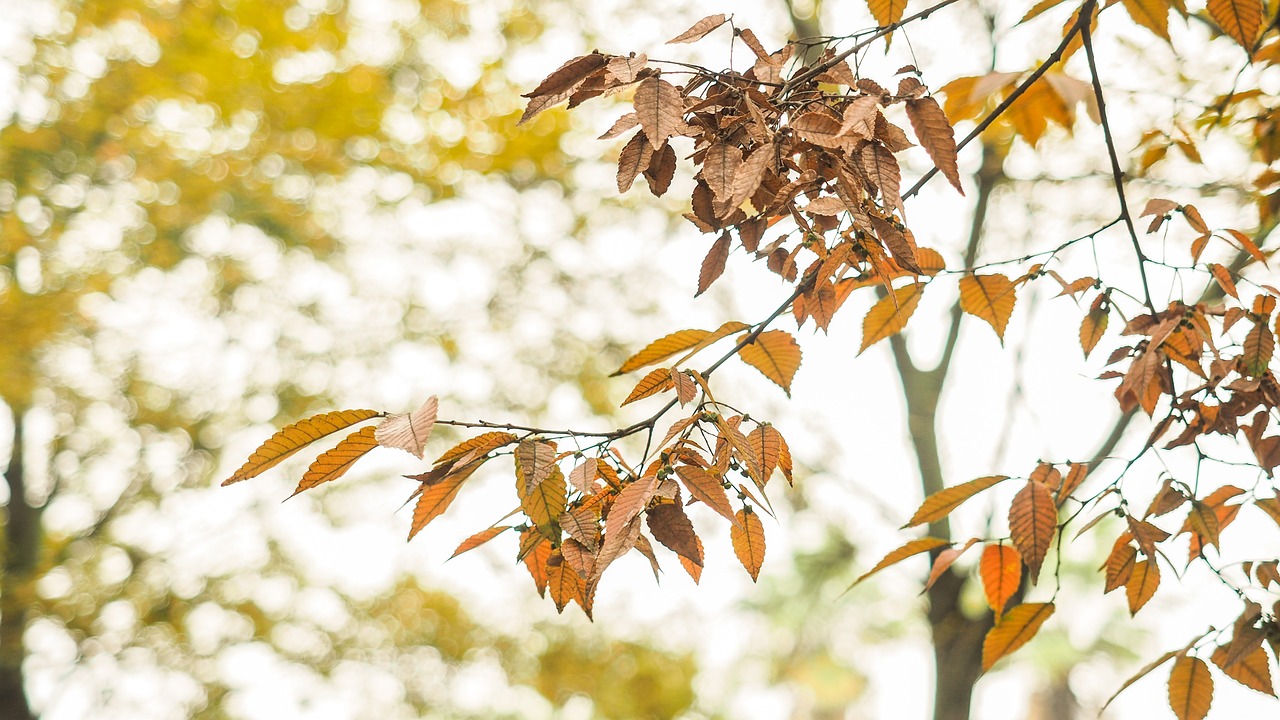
1223	276
775	354
1151	14
1075	476
1119	564
479	539
1001	571
699	29
535	550
887	12
483	444
1142	584
332	464
1033	518
725	330
990	297
768	446
1241	20
946	559
563	582
937	136
663	348
913	547
1251	669
655	382
694	569
890	314
659	108
1013	630
1093	328
1190	688
435	499
748	541
941	503
293	438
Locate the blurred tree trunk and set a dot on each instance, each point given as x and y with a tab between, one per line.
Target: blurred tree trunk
21	553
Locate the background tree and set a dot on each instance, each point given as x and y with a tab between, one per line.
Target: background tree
804	146
180	189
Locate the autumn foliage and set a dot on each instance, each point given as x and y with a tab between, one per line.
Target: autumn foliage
796	165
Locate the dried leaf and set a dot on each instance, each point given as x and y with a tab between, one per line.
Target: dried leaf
720	168
1001	571
941	503
1092	329
1119	564
660	109
562	83
661	170
713	263
747	535
409	432
293	438
534	462
479	539
583	477
1190	687
699	29
563	582
913	547
334	463
1033	518
990	297
775	354
686	386
882	170
890	314
1251	669
1223	276
633	160
535	551
1075	477
694	569
937	136
1259	347
633	499
1013	630
619	538
671	527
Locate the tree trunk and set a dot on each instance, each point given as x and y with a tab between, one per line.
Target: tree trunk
21	552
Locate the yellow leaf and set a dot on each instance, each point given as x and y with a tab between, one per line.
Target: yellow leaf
656	381
748	541
913	547
1239	19
332	464
890	314
990	297
941	503
295	437
479	539
1013	630
544	501
679	341
1001	571
1151	14
1190	688
724	331
1033	518
775	354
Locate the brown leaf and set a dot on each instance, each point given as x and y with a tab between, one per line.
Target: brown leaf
293	438
626	70
1013	630
534	462
583	477
334	463
1259	347
661	170
823	130
663	348
1001	571
882	170
748	541
1142	584
775	354
1190	687
619	538
660	109
1033	518
941	503
750	174
699	29
633	499
671	527
945	560
1119	564
1223	276
713	263
720	168
1075	477
562	83
633	160
1251	669
937	136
